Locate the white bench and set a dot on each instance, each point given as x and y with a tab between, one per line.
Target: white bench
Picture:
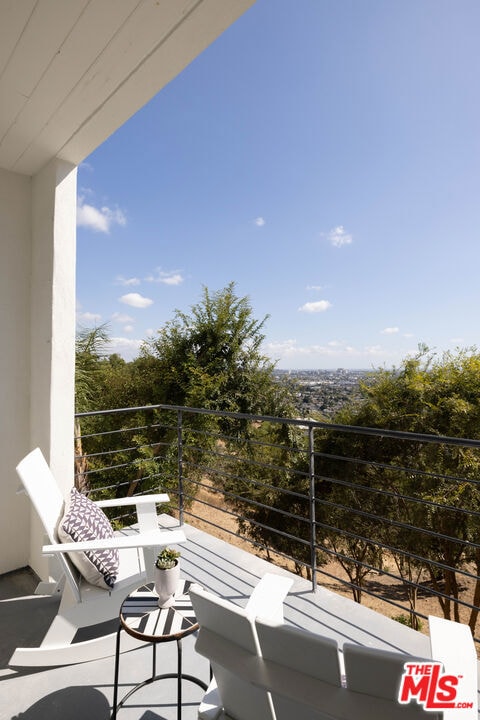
267	670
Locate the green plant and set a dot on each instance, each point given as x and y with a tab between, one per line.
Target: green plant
409	621
167	558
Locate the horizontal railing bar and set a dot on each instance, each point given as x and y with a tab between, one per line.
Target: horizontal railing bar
122	430
299	422
249	501
399	496
255	463
229	457
364	589
250	441
398	468
265	527
106	453
256	483
392	549
431	591
398	523
257	544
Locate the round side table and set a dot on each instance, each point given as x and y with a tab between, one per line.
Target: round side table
141	617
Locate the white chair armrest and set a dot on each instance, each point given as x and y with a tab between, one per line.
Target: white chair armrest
134	500
149	539
268	596
452	644
146	507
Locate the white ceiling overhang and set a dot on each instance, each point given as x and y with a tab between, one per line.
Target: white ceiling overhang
73	71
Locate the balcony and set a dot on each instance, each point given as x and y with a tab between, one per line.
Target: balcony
86	690
219	468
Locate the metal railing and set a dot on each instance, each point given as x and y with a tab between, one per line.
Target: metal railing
385	515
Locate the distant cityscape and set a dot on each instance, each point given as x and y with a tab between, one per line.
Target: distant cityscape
324	392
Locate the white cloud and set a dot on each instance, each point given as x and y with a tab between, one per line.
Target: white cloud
374	350
127	282
315	307
136	300
333	353
98	219
338	237
314	287
88	317
122	318
259	221
128	328
172	277
390	330
128	348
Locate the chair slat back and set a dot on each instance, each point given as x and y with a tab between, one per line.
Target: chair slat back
227	638
46	498
300	668
377	673
43	491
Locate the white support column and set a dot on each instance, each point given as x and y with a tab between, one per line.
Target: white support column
15	272
52	349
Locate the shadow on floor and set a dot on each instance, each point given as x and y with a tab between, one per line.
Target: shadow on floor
24	623
72	703
24	617
18	583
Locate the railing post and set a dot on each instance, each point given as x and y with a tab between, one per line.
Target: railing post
311	495
180	465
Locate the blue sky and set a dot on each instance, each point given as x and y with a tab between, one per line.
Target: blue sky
322	154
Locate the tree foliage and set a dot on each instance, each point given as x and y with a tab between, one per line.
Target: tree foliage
414	498
208	358
212	358
378	498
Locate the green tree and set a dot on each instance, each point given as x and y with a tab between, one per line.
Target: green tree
270	492
212	358
90	347
90	350
208	358
429	395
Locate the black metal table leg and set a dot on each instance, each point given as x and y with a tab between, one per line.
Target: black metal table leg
115	681
179	681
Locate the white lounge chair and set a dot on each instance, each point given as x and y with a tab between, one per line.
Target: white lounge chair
227	637
82	604
269	670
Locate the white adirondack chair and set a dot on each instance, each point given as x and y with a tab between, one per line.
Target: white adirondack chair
83	605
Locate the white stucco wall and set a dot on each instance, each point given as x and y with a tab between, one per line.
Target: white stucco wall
52	331
37	358
15	287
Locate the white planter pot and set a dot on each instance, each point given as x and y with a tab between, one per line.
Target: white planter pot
166	583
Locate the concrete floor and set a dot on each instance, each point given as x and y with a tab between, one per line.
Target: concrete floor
77	692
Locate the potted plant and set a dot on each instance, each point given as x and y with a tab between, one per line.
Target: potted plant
167	576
